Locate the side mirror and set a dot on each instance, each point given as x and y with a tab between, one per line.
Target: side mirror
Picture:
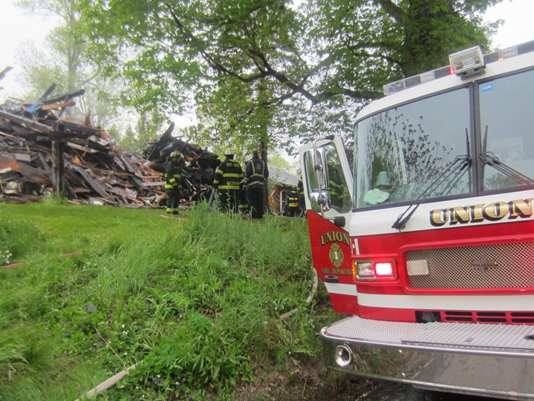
319	167
320	199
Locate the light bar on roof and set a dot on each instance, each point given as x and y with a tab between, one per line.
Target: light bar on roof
406	83
468	61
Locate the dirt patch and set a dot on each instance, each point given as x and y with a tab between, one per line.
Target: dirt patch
310	381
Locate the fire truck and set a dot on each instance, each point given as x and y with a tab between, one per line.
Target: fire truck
424	236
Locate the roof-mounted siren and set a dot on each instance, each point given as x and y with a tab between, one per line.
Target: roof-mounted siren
468	62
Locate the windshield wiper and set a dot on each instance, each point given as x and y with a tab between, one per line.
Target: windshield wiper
490	159
457	166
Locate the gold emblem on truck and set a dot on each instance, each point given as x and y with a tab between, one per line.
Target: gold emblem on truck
336	255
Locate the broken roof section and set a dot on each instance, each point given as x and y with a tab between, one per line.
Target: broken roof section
282	177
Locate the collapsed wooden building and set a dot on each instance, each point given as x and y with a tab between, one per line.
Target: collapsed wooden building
96	170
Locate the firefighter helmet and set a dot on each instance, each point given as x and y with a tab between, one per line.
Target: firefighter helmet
229	152
175	154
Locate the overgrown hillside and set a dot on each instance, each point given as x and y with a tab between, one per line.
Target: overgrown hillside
194	303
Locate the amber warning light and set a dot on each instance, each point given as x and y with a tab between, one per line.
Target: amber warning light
369	270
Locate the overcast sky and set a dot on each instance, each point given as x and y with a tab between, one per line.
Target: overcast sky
16	27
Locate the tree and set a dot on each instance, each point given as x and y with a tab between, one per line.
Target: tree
248	63
63	63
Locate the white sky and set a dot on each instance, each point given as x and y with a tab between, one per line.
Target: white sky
16	27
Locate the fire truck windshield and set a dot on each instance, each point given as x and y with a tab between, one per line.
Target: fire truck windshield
400	151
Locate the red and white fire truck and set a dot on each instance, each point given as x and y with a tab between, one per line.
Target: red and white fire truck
425	235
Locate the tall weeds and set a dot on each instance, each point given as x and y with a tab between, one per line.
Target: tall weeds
194	302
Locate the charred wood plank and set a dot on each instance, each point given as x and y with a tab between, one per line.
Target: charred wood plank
43	161
64	97
58	163
47	93
4	72
26	121
163	143
73	127
34	175
95	185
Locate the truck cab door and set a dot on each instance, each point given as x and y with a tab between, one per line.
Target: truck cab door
327	181
327	178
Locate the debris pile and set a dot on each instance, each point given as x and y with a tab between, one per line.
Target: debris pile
96	170
198	166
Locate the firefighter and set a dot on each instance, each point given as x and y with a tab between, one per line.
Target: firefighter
302	204
173	182
256	174
293	209
229	182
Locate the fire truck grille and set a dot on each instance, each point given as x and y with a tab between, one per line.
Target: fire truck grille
488	317
483	266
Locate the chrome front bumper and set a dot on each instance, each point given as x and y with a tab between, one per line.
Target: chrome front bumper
479	359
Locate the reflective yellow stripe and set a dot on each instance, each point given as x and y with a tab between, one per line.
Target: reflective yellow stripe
228	187
219	171
232	175
169	186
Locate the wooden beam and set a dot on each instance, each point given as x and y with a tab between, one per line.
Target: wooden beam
26	121
82	148
57	105
95	185
58	160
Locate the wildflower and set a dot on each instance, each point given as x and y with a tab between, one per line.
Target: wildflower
91	308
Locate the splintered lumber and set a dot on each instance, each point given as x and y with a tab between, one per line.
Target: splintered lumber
95	185
34	175
34	141
57	105
27	122
82	148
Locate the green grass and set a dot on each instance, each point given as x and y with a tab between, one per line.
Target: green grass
194	302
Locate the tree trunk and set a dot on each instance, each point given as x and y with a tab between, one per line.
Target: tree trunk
266	188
